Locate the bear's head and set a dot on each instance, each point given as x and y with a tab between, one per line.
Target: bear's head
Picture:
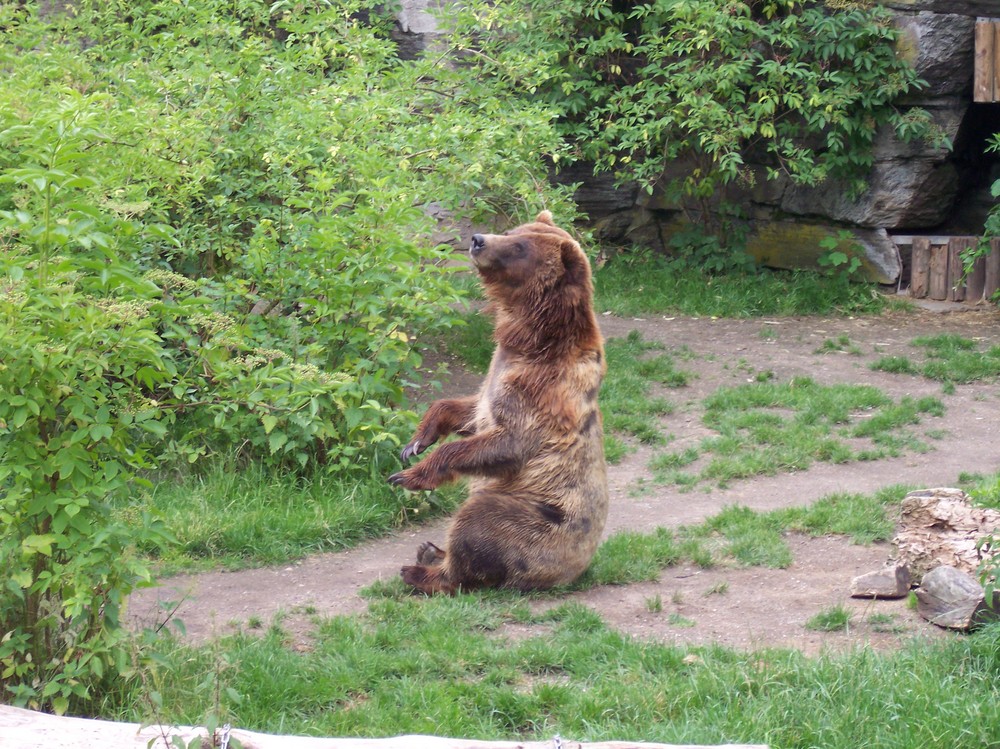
530	262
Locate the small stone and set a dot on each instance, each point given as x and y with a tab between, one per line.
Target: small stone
890	582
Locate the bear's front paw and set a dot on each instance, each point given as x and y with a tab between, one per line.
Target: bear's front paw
413	480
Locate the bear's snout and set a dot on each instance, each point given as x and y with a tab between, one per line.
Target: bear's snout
478	243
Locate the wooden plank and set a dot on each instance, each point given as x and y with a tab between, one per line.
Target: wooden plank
996	60
956	268
975	282
982	81
937	287
920	267
992	281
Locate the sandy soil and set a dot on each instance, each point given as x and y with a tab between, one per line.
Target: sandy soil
740	608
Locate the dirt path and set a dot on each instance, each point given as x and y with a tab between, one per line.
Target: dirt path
742	608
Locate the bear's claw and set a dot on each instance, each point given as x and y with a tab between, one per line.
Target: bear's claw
410	450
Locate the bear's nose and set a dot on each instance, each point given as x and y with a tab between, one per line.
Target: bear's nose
478	242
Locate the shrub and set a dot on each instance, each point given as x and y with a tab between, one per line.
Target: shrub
681	94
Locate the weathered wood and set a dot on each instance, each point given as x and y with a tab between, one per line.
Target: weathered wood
983	78
25	729
956	267
954	599
920	267
937	288
996	60
941	527
991	282
975	282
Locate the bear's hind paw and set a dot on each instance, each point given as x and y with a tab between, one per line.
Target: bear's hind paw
427	580
429	554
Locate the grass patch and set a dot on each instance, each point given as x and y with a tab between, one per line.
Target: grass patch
948	358
446	666
233	518
841	344
767	427
836	619
638	283
634	366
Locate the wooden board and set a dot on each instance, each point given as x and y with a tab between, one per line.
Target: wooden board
25	729
920	267
984	79
937	288
975	282
957	247
991	282
996	61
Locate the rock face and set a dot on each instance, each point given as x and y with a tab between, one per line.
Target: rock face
942	527
913	187
891	582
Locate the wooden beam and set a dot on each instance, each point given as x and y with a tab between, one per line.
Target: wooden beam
920	267
25	729
996	61
992	280
975	284
956	267
983	83
937	288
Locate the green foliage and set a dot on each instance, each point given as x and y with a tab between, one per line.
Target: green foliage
842	259
684	94
991	230
80	357
209	245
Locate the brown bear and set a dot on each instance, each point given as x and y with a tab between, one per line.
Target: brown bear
532	439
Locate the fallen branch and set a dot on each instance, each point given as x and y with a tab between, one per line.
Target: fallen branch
26	729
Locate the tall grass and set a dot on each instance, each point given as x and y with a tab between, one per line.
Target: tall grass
231	518
641	283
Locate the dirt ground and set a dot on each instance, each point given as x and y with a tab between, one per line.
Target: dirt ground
740	608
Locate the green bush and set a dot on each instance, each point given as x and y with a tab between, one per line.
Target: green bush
211	242
683	94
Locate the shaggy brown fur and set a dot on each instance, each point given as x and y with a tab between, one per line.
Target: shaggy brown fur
532	438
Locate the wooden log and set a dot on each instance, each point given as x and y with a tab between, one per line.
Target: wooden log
937	287
956	267
25	729
996	61
953	599
983	79
975	282
991	282
920	267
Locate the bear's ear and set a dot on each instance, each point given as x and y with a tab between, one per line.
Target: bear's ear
574	263
545	217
